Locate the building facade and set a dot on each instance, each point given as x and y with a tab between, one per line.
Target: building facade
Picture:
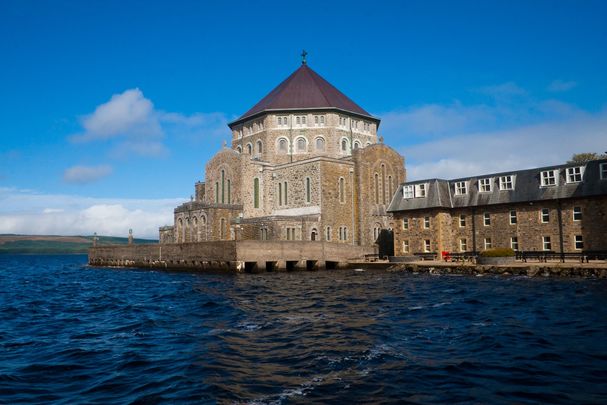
305	163
559	208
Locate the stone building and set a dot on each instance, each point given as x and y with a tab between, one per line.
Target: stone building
558	208
305	163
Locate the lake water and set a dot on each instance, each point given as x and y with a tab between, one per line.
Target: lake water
72	334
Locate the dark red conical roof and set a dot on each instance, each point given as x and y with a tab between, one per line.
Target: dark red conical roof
304	89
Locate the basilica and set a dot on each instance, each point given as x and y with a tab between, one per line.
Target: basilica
305	163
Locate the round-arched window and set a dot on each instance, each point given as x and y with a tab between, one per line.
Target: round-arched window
238	149
249	148
301	144
356	145
283	145
259	147
320	144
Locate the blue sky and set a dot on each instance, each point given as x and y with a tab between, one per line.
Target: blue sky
109	110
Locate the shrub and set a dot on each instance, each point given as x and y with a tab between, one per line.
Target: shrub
498	252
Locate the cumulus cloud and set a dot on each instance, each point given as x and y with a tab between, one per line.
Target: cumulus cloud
86	174
561	85
135	126
28	212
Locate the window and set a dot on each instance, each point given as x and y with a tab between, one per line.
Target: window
255	192
319	120
427	246
320	144
344	145
286	199
545	215
301	145
463	246
239	149
579	242
484	185
426	222
420	190
308	190
341	191
546	245
462	221
356	145
486	219
229	192
487	243
328	233
376	178
282	121
514	243
216	192
405	246
390	188
259	147
222	230
249	148
263	233
574	174
549	178
407	191
603	171
283	145
506	182
460	188
513	218
577	213
343	233
405	224
291	234
223	186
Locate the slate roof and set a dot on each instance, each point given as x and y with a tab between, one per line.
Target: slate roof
304	89
527	188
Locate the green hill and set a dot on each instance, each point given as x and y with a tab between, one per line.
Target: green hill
54	244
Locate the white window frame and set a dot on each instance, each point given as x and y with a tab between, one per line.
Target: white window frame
486	219
514	243
578	242
427	246
545	215
405	224
577	212
485	186
408	191
515	217
506	182
546	243
603	171
426	222
406	247
575	174
462	221
549	178
487	243
463	245
420	190
461	188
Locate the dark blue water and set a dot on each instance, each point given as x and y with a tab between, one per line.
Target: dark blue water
72	334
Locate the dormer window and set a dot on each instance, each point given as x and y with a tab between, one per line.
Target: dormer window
460	188
484	185
506	182
549	178
574	174
408	192
420	190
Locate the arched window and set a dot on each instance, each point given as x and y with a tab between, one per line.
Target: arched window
222	228
283	145
356	145
383	183
390	189
249	148
341	191
376	188
259	147
203	219
313	234
195	229
344	145
223	186
368	143
239	149
308	190
280	121
328	233
301	145
216	192
320	144
229	192
255	192
286	198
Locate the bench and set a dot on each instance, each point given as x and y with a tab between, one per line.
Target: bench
460	256
372	257
426	256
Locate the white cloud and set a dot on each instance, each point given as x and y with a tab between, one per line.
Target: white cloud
561	85
131	122
28	212
503	90
86	174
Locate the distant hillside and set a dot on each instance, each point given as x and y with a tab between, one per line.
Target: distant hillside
54	244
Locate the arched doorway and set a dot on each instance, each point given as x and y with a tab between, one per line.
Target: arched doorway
314	234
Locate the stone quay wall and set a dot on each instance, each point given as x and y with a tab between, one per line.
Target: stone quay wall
248	255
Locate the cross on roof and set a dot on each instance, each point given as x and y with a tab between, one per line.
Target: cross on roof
303	57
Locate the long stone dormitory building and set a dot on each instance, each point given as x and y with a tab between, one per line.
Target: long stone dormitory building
559	208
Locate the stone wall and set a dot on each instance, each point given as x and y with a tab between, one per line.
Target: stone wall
446	233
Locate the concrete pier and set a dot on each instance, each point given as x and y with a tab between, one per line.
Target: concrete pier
240	256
